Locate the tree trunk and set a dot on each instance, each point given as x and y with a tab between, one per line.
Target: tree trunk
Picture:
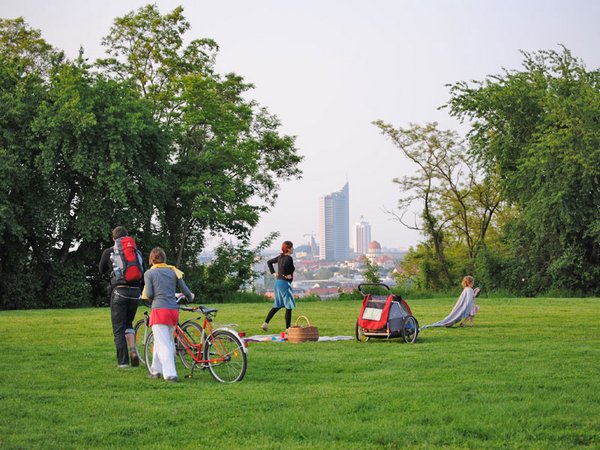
184	235
438	240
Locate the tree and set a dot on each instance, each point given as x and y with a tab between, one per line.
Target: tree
232	267
458	205
371	273
227	155
537	131
25	62
25	47
410	274
102	158
94	152
20	208
157	142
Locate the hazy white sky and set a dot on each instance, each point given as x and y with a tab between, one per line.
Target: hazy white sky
327	69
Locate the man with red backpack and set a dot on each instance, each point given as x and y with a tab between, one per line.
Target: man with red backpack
125	263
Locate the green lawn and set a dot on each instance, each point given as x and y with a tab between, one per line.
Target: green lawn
526	376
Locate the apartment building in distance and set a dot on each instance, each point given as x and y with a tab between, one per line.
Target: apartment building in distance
361	236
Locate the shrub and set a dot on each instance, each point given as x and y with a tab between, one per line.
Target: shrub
68	287
20	291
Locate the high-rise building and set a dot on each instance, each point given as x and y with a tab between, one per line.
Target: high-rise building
362	236
334	236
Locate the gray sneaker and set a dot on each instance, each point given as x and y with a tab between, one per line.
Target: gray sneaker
265	326
123	366
172	379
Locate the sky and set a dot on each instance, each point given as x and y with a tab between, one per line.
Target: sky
328	68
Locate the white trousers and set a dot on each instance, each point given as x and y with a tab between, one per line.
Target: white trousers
163	355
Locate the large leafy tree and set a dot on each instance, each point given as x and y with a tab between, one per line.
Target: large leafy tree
227	157
538	130
79	153
25	64
24	59
101	158
458	205
156	141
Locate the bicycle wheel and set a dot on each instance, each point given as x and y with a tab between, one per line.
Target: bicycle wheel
226	358
410	330
193	332
360	335
148	350
141	333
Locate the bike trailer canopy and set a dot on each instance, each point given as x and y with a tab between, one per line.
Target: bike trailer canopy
375	311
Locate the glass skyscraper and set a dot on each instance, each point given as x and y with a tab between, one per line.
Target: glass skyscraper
334	237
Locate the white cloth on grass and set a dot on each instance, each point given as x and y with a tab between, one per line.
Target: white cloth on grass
461	310
277	338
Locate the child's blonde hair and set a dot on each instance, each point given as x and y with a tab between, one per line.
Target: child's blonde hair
468	281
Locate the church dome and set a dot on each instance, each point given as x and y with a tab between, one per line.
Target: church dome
374	246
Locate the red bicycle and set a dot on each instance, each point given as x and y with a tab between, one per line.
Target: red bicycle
220	350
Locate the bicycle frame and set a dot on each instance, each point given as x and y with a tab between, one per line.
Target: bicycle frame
192	349
221	350
195	350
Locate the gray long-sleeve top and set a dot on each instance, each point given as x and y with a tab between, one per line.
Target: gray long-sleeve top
162	285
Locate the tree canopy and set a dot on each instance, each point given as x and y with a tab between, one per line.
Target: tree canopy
81	154
150	137
530	224
227	156
538	129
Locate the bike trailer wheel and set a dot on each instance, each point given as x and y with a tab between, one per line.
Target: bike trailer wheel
410	330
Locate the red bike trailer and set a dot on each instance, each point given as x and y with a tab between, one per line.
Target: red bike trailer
385	316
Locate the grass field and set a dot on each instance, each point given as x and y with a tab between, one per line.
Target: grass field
526	376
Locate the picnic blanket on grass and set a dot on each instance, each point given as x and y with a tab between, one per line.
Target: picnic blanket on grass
278	338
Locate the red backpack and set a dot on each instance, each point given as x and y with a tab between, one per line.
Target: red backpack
127	261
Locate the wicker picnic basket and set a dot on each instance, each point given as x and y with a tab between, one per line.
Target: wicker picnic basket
302	333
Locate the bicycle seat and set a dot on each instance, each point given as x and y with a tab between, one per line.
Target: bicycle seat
208	311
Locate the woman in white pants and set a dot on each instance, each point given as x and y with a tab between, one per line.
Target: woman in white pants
162	282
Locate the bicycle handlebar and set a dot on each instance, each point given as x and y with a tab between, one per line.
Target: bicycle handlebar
179	297
190	308
204	310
